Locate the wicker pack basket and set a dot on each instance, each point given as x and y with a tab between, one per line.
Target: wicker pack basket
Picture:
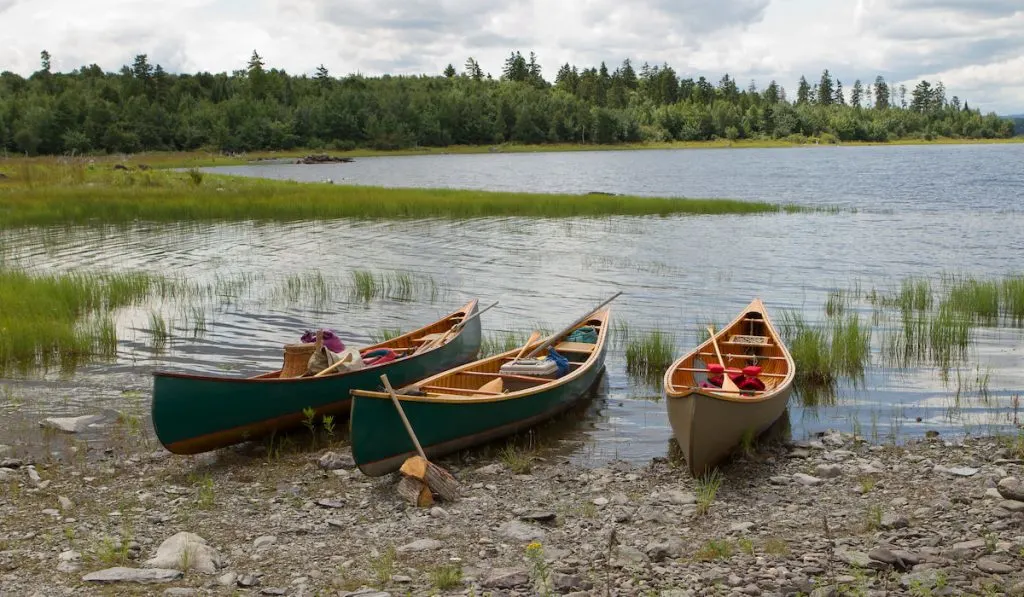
296	358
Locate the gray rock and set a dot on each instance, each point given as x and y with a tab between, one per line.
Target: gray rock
926	579
626	554
894	521
600	501
264	541
248	580
421	545
828	471
779	480
12	463
186	550
665	548
332	461
326	503
65	503
521	531
741	527
366	592
139	575
568	582
70	424
1011	488
680	497
491	469
273	591
839	455
994	567
1012	506
807	480
227	579
962	471
857	559
401	578
540	516
902	561
505	578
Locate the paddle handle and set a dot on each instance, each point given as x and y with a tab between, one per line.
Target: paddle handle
533	338
570	327
401	413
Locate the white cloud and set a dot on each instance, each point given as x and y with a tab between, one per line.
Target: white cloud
969	44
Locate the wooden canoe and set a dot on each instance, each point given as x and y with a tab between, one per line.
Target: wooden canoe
708	423
456	413
197	413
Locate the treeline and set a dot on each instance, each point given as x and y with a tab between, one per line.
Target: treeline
143	107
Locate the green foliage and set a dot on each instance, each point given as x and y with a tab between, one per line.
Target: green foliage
143	108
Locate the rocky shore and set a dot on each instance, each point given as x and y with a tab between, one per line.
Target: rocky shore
833	516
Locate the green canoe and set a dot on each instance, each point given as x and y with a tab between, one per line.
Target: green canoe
457	411
198	413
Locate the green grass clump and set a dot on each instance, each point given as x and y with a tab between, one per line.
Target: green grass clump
493	343
48	194
649	354
62	318
384	334
839	347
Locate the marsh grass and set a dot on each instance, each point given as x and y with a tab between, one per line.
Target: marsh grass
649	354
62	319
383	566
158	330
384	334
517	459
493	343
44	193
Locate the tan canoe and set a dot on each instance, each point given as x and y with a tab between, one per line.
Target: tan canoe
710	420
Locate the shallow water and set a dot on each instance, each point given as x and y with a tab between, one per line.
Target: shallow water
920	211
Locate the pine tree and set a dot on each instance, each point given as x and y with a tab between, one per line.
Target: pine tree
803	91
840	99
826	92
449	71
857	94
881	93
628	75
771	93
44	60
473	69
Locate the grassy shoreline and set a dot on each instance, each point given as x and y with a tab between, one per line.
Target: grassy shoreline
205	158
78	193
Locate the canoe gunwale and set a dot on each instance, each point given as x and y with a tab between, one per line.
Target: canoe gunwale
464	311
596	355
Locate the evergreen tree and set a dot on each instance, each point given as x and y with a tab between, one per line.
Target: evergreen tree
473	69
44	61
803	91
771	93
628	75
856	94
826	91
840	99
449	71
881	93
922	97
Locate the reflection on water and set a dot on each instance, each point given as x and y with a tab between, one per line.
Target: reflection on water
262	285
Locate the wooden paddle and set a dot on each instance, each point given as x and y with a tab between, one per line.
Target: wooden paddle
434	477
455	328
532	339
557	335
727	383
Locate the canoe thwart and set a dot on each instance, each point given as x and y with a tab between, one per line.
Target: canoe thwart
444	389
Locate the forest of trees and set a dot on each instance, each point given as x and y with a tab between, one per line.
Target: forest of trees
143	107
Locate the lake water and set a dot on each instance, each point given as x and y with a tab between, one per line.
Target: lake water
911	211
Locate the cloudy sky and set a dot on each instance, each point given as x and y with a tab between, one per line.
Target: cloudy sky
975	47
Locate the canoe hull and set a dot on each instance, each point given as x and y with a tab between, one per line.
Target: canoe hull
708	429
709	423
380	442
193	414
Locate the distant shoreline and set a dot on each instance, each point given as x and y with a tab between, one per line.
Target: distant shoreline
190	159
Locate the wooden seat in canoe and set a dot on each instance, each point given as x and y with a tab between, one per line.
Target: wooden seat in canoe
580	347
428	337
